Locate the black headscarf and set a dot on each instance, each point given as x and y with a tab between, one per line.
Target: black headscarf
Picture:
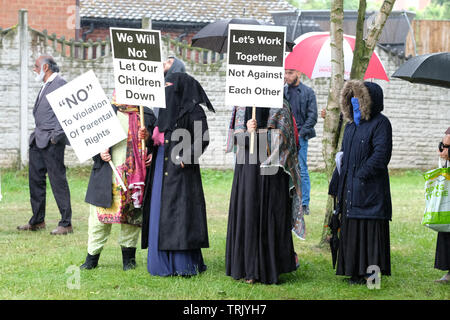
177	66
182	94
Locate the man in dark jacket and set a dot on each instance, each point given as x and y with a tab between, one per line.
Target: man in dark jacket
364	198
304	108
47	145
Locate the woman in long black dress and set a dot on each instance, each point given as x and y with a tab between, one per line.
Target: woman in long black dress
364	199
259	244
174	227
442	258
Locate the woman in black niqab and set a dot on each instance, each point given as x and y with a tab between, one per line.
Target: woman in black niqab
174	225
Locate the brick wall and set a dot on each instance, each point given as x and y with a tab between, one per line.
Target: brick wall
97	33
419	114
56	16
9	99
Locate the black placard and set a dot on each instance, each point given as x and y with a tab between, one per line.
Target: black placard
136	45
260	53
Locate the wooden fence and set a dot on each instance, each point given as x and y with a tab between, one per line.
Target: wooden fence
430	35
89	50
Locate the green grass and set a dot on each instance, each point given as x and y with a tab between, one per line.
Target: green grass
34	264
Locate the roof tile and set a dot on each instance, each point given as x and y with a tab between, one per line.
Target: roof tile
182	10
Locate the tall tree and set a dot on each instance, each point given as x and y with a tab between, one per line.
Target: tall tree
331	130
362	53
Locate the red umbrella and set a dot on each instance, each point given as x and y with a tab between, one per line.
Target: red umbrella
312	56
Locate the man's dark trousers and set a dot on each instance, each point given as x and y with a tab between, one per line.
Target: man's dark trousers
42	161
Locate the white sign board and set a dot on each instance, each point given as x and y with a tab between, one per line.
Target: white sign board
255	69
138	68
86	116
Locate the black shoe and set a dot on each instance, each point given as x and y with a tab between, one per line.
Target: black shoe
29	227
128	258
357	280
91	262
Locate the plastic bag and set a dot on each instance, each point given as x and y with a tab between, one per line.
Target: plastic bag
437	200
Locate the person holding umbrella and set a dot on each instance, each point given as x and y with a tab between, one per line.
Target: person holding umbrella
363	192
442	257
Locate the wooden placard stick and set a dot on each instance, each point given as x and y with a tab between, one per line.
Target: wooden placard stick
141	115
117	175
252	137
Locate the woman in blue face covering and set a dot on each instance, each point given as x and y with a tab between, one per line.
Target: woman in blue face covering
364	199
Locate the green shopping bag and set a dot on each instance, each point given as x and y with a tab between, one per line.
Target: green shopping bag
437	200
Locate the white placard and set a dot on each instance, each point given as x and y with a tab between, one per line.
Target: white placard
138	68
86	116
255	69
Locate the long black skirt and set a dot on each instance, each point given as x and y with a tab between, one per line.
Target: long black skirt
363	243
442	258
259	240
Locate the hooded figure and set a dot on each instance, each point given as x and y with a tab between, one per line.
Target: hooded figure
363	193
174	216
177	66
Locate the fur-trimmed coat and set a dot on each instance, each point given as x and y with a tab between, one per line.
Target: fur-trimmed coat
367	148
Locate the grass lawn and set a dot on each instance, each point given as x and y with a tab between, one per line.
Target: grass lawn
36	265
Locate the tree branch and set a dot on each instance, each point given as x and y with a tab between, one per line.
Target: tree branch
364	48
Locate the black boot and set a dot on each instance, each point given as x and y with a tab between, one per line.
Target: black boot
357	280
128	258
91	262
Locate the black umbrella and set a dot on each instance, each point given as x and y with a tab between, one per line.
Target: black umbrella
214	36
432	69
335	225
334	222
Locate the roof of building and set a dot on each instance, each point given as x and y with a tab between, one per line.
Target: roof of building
200	11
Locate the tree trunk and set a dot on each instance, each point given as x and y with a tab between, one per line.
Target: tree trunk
331	128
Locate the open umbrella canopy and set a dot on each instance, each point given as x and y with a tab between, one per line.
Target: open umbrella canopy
312	56
432	69
214	36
